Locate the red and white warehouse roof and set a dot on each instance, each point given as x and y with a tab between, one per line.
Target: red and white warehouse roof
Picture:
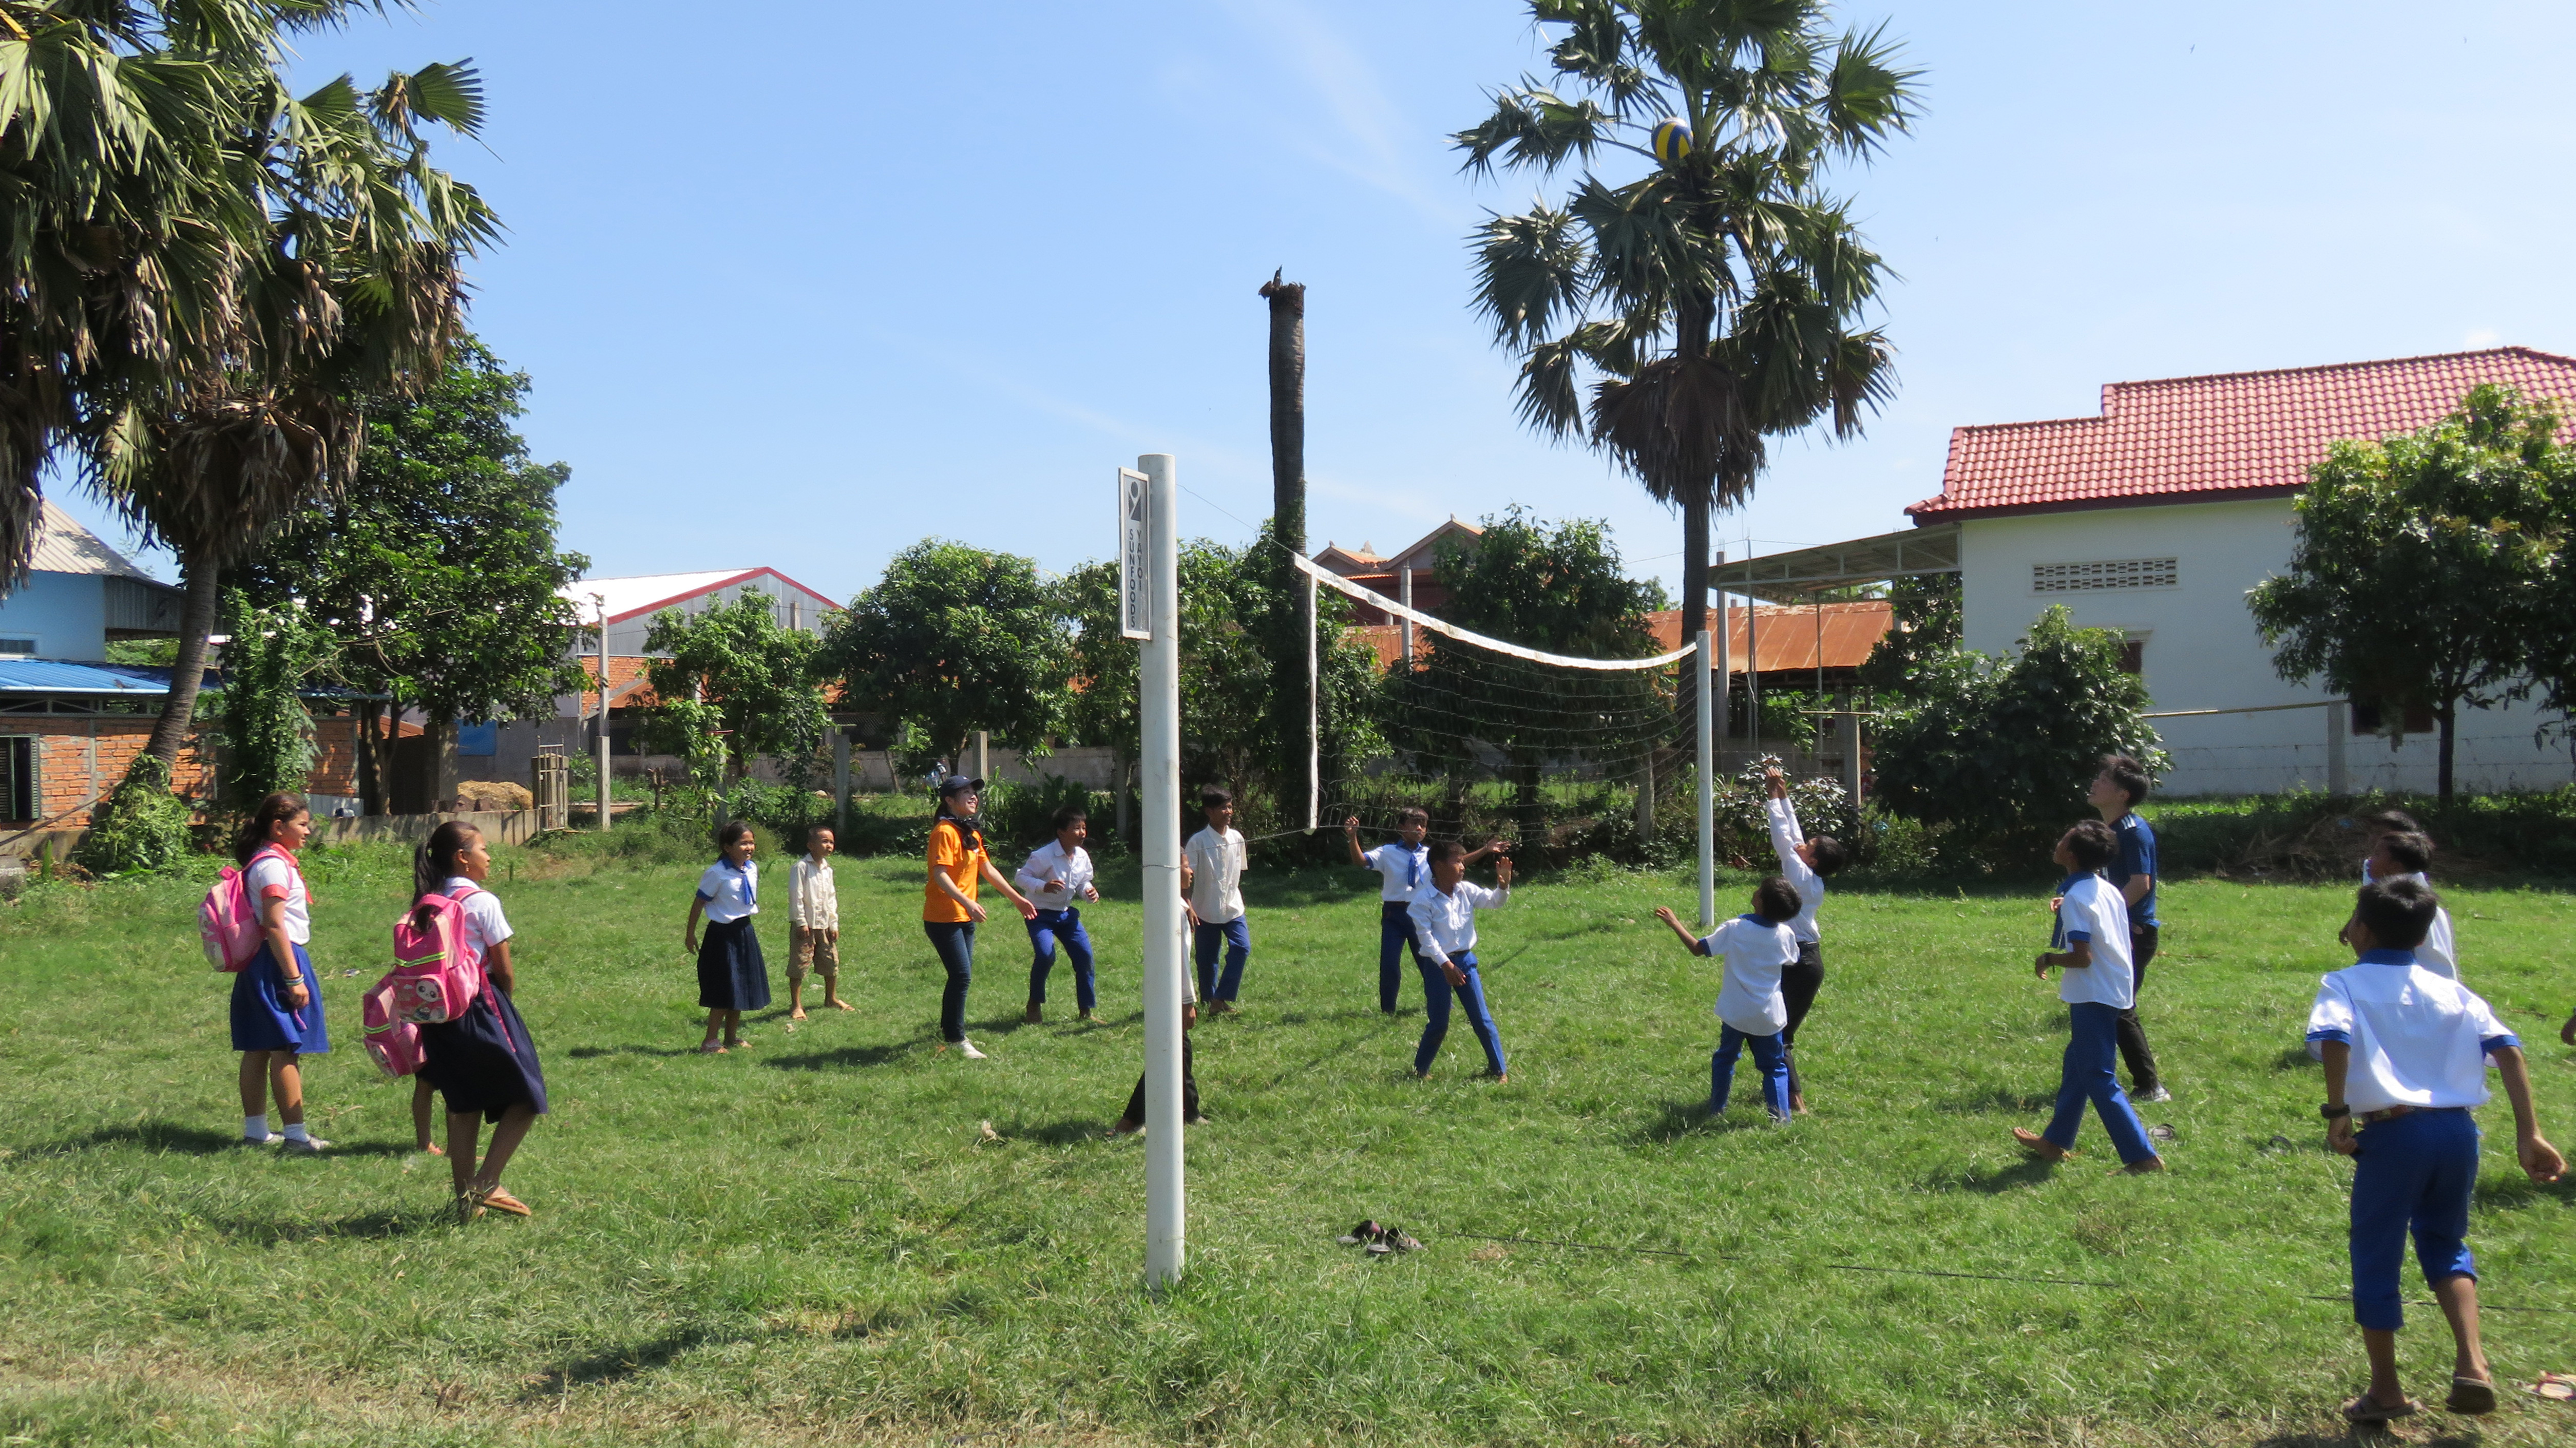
2208	439
644	596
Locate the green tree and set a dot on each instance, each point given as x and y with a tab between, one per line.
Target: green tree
1924	630
261	723
732	685
1715	299
2422	572
437	568
954	639
1560	589
2002	747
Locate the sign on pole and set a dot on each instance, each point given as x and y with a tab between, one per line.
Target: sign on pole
1135	561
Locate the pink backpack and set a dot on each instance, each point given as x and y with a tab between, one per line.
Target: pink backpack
436	971
393	1044
228	919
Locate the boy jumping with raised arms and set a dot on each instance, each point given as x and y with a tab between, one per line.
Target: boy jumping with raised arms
1402	864
1805	861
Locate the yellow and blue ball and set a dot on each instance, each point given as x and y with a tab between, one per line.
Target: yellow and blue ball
1672	139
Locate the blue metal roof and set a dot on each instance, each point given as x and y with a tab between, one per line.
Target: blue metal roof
126	681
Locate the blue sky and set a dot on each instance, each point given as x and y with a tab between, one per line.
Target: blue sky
803	283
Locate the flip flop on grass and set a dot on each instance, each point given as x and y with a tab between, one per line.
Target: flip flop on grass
2553	1387
2366	1409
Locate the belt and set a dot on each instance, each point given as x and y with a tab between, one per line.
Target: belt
2393	1112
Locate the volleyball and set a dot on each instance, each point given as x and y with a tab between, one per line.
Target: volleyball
1672	139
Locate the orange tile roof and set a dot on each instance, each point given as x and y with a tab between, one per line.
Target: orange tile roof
1788	633
2232	435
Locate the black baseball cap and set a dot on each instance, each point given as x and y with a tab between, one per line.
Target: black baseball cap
956	782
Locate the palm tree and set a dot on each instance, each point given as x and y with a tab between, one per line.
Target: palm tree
1717	298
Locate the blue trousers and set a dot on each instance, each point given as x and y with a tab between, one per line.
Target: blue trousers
1436	992
1050	927
2412	1172
2092	1049
1236	936
955	942
1394	938
1770	1057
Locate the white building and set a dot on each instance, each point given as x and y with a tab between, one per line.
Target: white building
2155	518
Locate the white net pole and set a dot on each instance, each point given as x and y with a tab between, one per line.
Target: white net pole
1159	759
1314	715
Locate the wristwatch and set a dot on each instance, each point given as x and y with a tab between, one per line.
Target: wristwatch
2332	1112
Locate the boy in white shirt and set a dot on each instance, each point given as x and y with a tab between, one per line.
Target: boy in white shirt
1805	861
2408	855
1056	876
2404	1051
1212	890
1750	1007
813	924
2095	983
1402	864
1444	924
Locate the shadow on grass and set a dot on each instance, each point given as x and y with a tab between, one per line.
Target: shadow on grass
1991	1182
2293	1058
1678	1119
586	1053
2366	1433
164	1136
1992	1102
1055	1133
853	1058
617	1364
363	1226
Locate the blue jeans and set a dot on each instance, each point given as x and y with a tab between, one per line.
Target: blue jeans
955	942
1045	931
2092	1049
2411	1172
1236	936
1770	1057
1436	992
1394	937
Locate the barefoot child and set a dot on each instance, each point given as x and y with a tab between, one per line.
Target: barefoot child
732	977
1402	864
277	999
1805	861
1056	876
813	924
483	1062
1212	890
1444	921
2402	1048
1751	1009
2094	981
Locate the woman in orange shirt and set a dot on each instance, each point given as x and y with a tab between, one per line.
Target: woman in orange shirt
948	909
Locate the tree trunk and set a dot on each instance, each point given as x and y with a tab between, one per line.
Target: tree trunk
1288	525
370	751
2449	720
196	622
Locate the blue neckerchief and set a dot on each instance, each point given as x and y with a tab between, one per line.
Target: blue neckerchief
750	888
2386	957
1412	868
2057	918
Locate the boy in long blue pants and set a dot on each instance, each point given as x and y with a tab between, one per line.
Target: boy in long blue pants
2096	984
1751	1009
1444	921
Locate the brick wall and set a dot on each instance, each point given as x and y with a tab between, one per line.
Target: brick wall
78	759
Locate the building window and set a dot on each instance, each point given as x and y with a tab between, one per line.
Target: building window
2133	657
17	646
17	776
2117	573
2370	716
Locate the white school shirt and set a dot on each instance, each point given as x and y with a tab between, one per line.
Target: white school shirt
2439	953
2417	1038
1402	869
1748	998
2094	910
276	875
813	900
1216	875
1445	921
1785	840
485	925
730	894
1054	878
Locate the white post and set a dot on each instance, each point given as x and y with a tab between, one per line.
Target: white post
605	813
983	755
1701	662
1314	711
2338	772
1404	595
1725	659
1159	760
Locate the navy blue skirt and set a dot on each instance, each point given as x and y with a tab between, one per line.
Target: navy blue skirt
731	974
483	1061
261	1019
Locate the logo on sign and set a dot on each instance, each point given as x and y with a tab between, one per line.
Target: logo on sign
1135	563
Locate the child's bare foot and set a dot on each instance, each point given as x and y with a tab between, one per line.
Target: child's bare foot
1502	1078
840	1005
797	1014
2040	1146
710	1048
1797	1105
431	1148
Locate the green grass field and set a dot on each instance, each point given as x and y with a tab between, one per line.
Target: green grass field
812	1241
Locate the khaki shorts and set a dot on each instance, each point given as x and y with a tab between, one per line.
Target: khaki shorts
811	950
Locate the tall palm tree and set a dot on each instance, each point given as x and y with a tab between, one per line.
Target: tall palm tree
1716	300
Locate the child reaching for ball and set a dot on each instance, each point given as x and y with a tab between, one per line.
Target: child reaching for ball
1751	1009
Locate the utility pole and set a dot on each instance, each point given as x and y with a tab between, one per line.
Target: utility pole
600	747
1295	697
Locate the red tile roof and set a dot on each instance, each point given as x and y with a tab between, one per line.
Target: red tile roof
2202	439
1789	633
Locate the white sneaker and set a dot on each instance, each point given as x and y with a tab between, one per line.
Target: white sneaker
967	1050
309	1146
2159	1094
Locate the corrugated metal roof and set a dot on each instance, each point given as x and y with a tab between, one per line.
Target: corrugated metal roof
74	676
64	546
1789	634
627	598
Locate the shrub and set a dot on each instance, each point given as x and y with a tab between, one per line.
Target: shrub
142	826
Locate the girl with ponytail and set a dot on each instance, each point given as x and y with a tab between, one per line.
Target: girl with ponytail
277	999
483	1062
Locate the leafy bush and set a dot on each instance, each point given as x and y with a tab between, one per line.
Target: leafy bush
2307	836
1022	816
259	713
2001	748
142	826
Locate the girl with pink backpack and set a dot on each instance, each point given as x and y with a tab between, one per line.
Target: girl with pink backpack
277	1014
481	1059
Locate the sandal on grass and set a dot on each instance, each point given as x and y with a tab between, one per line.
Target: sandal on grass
501	1201
2367	1409
2554	1387
710	1048
2470	1396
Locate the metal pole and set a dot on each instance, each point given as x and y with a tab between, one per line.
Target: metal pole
1404	595
1707	789
1314	710
1159	761
2338	772
605	813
